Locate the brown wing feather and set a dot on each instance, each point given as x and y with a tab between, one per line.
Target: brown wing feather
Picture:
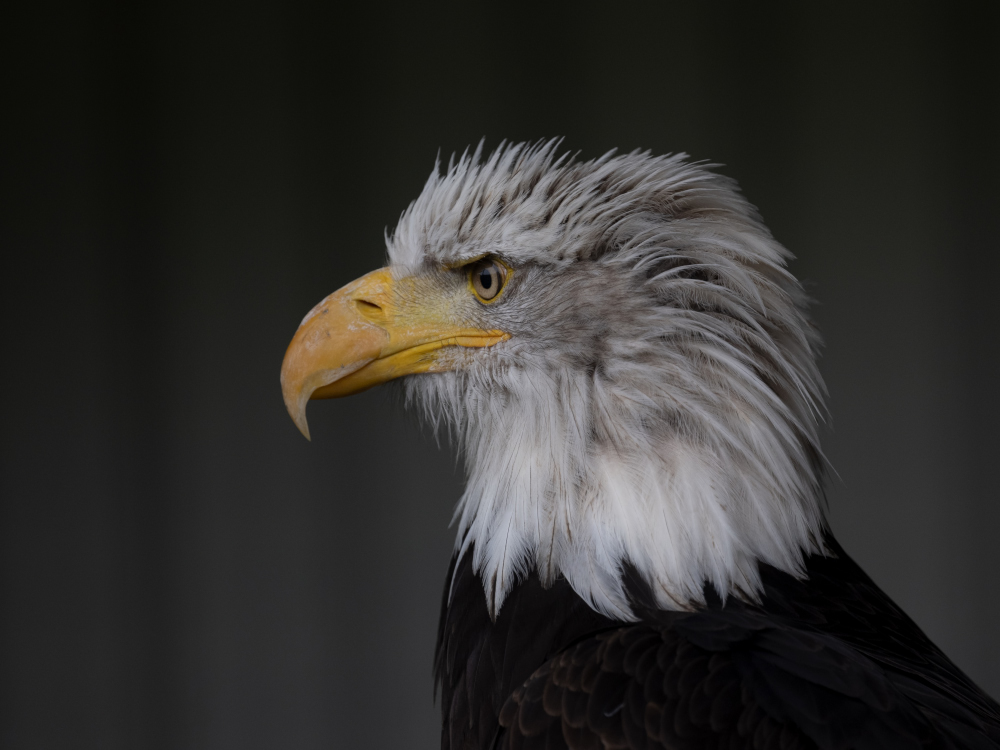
711	681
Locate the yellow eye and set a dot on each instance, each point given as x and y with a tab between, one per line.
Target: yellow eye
487	277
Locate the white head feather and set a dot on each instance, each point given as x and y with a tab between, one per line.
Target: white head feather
658	401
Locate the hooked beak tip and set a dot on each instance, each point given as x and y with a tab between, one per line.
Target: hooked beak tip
300	422
296	400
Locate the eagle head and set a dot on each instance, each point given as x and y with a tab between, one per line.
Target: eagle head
622	356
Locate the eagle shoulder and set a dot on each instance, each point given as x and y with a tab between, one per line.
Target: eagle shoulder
826	661
714	679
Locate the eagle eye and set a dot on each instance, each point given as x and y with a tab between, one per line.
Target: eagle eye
487	278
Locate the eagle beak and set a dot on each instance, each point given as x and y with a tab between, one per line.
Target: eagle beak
375	329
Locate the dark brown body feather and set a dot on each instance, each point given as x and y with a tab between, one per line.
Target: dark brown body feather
826	662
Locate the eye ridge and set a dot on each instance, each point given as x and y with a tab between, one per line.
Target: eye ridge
487	278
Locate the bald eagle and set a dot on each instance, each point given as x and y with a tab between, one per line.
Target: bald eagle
642	557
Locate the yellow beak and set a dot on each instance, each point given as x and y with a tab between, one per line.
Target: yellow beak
372	330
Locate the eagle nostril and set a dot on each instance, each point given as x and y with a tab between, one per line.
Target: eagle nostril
369	309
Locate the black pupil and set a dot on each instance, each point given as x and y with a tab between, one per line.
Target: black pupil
486	278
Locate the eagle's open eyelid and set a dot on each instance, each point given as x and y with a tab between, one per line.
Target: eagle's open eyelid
488	278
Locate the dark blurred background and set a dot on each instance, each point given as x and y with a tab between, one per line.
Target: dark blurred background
183	181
